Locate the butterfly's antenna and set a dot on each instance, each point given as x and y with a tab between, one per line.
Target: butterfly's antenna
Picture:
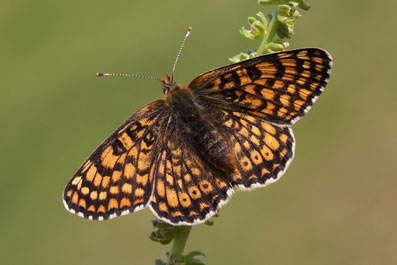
189	29
127	75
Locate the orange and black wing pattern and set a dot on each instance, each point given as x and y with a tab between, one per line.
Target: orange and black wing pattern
263	150
118	177
187	189
183	156
279	87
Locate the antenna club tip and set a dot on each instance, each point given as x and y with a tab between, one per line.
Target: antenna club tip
189	29
99	74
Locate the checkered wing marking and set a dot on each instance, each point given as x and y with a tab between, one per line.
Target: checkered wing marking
118	177
187	190
263	150
279	87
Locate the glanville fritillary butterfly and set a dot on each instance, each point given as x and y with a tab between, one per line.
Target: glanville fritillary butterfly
183	156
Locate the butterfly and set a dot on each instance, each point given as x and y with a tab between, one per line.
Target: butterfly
184	155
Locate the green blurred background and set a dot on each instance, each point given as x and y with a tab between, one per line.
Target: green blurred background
335	205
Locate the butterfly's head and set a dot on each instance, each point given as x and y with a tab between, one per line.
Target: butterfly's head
169	85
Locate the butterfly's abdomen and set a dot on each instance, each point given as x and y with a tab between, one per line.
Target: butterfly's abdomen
212	145
202	132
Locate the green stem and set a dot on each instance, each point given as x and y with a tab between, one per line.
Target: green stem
179	241
273	26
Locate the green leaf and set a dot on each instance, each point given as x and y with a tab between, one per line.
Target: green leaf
284	10
164	234
282	42
257	27
275	47
209	222
194	258
271	2
159	262
285	31
263	18
159	224
242	56
177	259
303	4
251	20
248	34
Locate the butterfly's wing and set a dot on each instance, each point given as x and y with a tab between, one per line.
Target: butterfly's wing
263	150
187	190
118	177
278	87
256	100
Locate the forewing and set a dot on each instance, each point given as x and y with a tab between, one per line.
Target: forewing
279	87
187	189
263	150
117	178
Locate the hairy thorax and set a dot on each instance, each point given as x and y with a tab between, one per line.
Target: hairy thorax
206	136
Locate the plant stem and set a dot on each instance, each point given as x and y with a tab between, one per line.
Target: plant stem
273	26
179	241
